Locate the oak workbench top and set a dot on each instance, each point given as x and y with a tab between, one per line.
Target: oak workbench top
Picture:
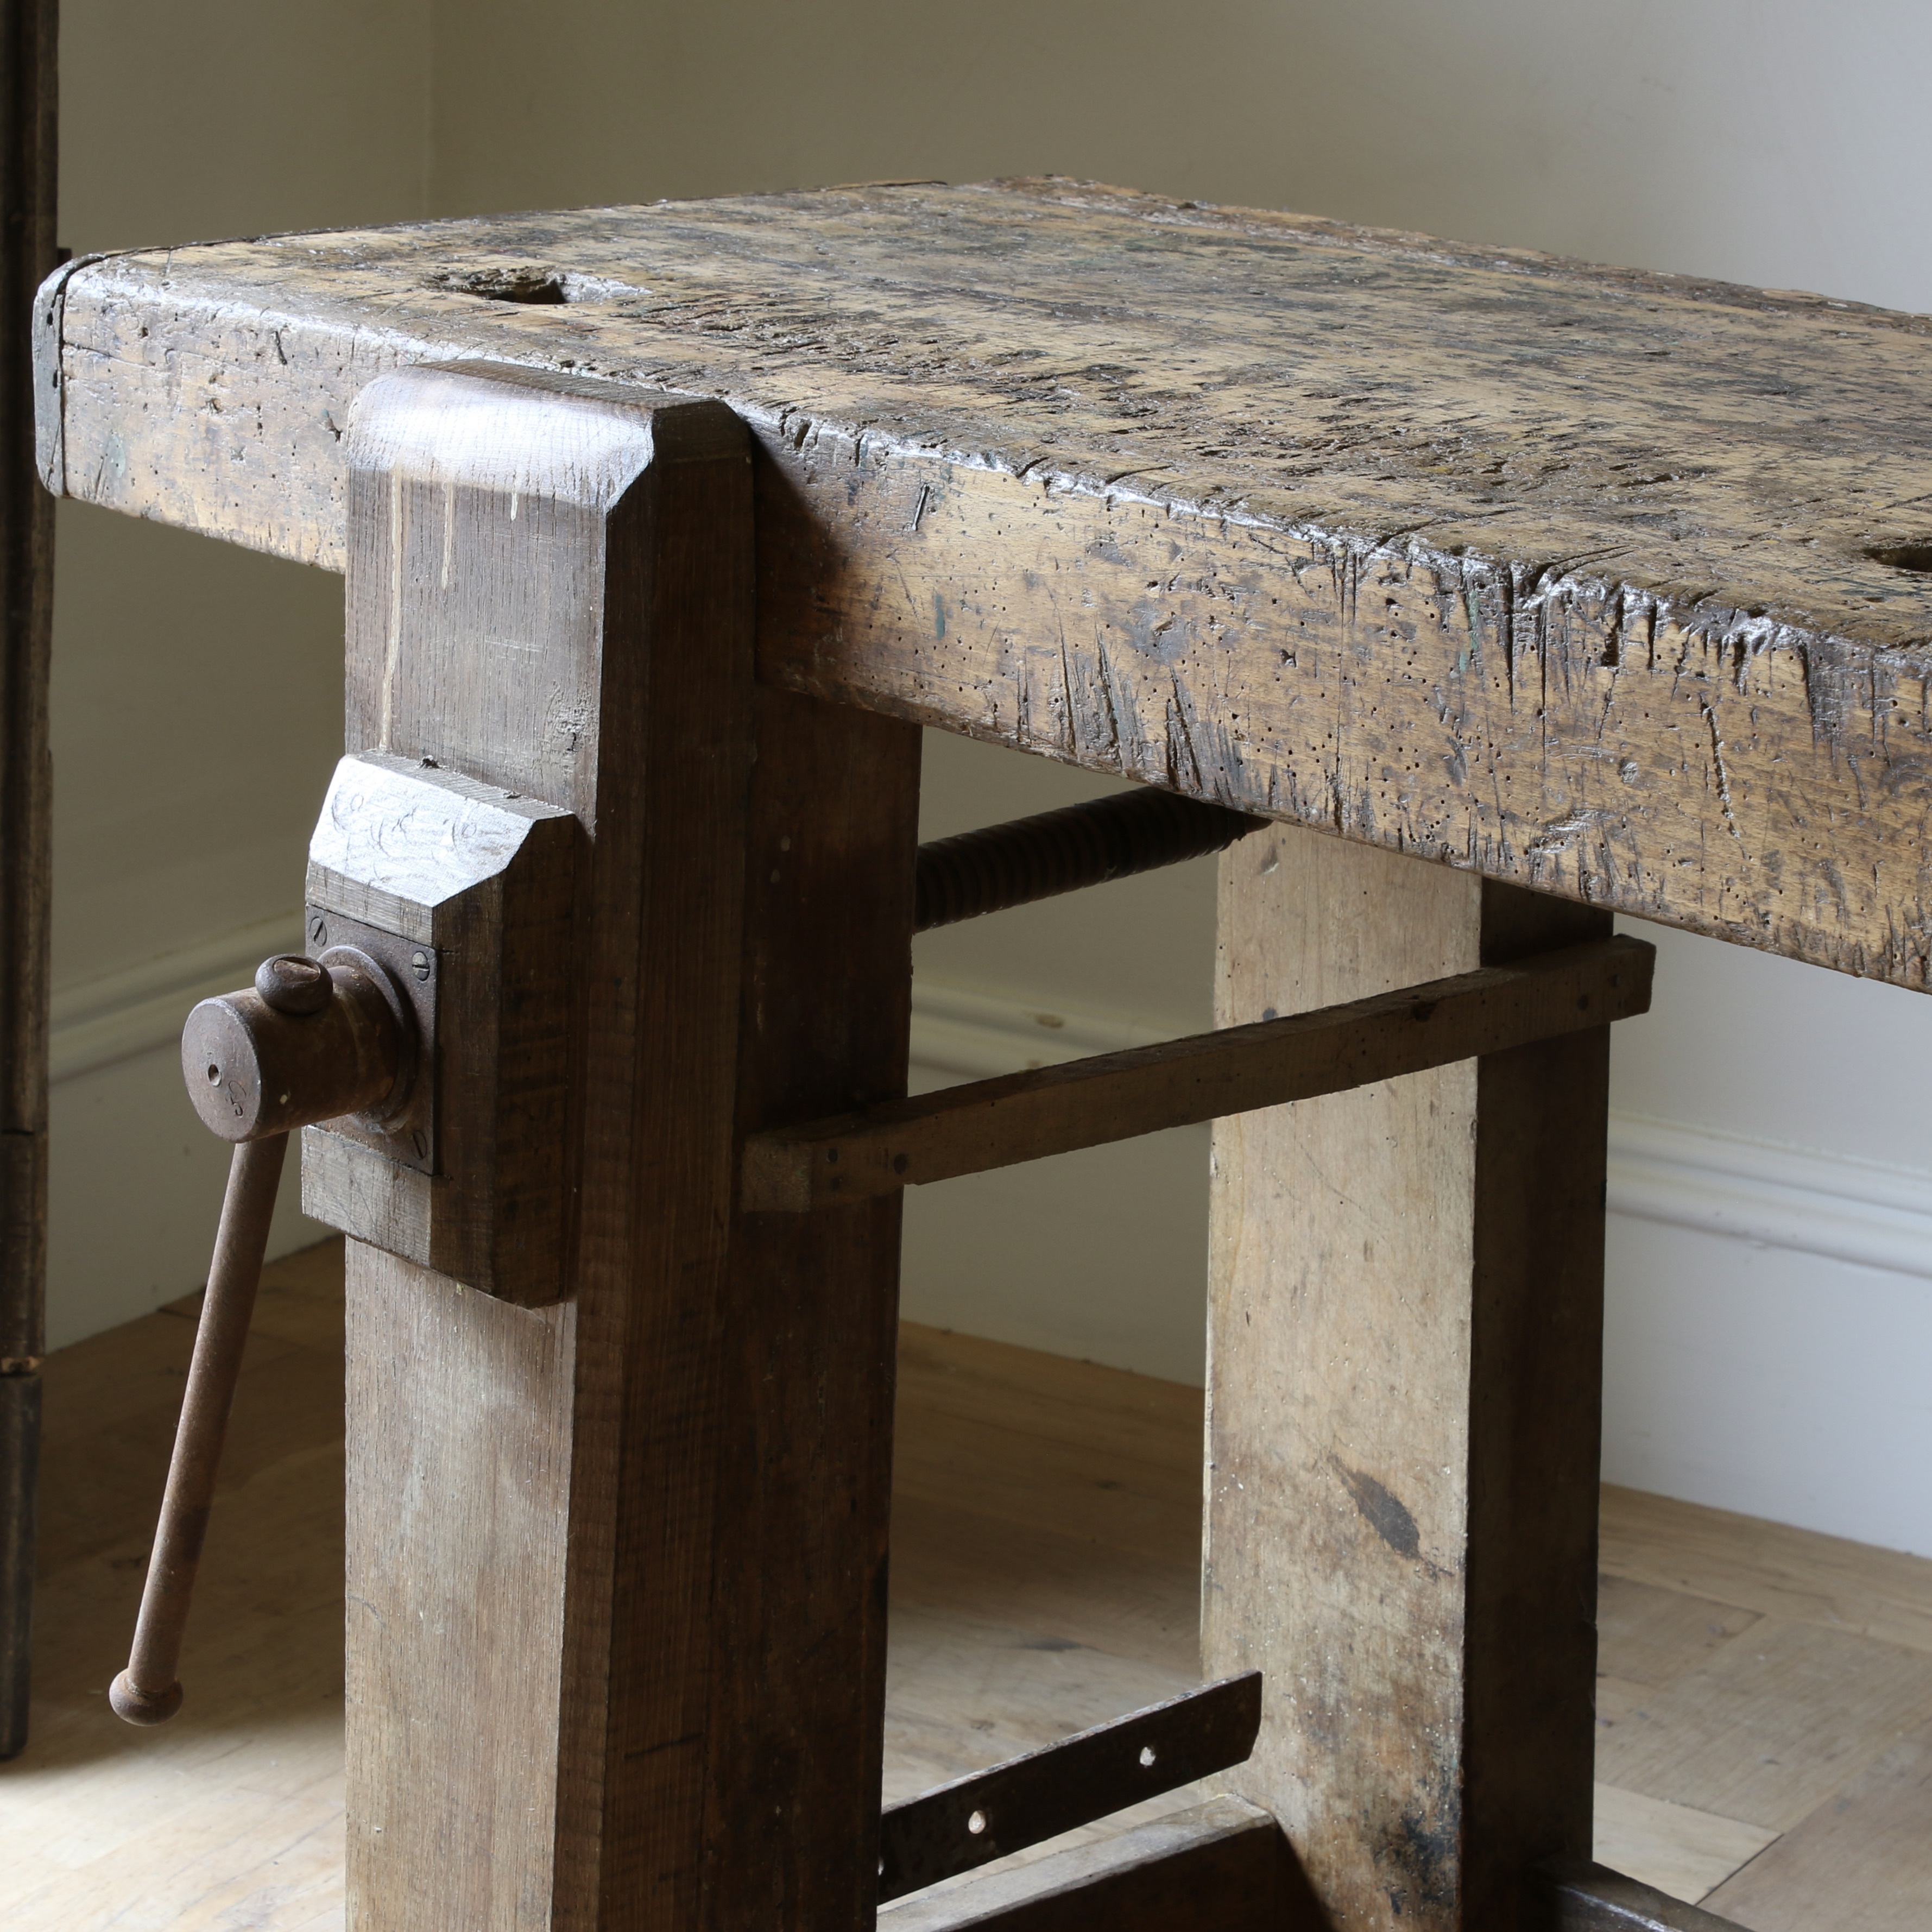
1614	584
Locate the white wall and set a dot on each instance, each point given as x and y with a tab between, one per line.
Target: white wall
1768	1306
197	690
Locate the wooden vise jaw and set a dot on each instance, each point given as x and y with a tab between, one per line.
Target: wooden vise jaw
466	893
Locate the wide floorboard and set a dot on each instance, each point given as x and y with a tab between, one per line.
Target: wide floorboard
1765	1711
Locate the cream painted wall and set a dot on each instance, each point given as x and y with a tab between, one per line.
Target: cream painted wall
1776	141
197	704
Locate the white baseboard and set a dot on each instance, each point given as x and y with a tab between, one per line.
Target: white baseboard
142	1007
1662	1171
1770	1197
1683	1176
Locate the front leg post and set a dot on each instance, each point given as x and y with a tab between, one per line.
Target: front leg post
616	1570
1404	1405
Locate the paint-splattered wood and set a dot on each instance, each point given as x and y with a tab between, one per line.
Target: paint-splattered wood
1613	584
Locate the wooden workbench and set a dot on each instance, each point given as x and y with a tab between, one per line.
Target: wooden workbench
1616	587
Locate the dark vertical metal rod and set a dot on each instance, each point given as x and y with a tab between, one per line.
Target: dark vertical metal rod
28	32
148	1691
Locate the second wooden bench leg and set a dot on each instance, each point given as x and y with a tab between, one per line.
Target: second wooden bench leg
1405	1337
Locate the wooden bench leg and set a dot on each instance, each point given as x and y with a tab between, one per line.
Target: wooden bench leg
1404	1401
616	1566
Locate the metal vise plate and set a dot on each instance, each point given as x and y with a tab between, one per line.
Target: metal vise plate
408	1137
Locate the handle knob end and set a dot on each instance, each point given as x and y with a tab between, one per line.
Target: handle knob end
134	1705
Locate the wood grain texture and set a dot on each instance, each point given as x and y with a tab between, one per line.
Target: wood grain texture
458	1561
1028	1488
1404	1313
1107	1551
1607	583
982	1124
28	157
29	32
551	592
513	610
1222	1866
1647	1634
487	882
1862	1863
802	1418
1681	1850
1768	1567
1771	1725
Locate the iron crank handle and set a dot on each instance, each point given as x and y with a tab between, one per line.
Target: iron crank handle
313	1039
148	1691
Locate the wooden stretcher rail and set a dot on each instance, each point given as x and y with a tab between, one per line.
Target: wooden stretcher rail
971	1821
1114	1097
1223	1864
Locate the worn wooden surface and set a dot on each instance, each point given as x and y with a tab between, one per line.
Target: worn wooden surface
1613	584
1871	1844
1838	1700
799	1411
1682	1850
1223	1866
1404	1318
29	31
1752	1569
1112	1097
1046	1523
467	1677
660	1706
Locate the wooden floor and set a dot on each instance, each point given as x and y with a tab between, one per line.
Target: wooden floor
1765	1715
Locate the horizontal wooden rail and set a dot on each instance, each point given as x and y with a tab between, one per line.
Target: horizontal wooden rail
1081	1779
1223	1866
1114	1097
1592	1898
